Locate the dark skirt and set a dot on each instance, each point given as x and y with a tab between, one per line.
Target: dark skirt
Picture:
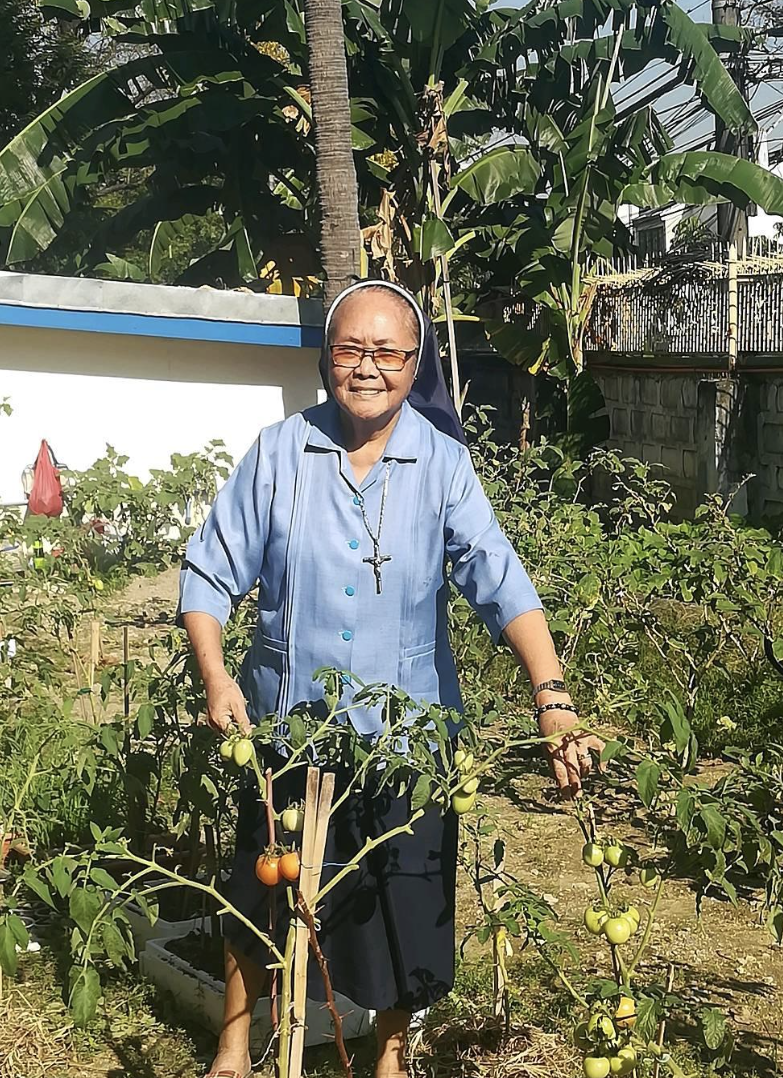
387	930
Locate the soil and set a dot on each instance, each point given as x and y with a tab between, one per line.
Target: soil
202	950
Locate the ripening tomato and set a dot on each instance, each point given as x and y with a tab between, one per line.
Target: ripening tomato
626	1013
592	855
289	866
243	751
268	870
596	1067
617	930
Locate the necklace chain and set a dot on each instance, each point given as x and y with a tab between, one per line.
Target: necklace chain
377	559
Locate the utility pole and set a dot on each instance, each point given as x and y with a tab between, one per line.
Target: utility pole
732	221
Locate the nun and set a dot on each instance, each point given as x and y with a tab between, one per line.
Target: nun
353	518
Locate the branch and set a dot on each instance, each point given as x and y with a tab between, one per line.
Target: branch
307	917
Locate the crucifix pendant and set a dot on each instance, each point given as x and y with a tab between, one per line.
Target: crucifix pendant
376	561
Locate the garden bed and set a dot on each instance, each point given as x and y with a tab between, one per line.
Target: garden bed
184	967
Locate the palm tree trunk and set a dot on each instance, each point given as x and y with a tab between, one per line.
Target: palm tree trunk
338	195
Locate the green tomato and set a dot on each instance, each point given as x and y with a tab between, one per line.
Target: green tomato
460	756
617	930
618	1065
243	752
596	1067
616	856
226	750
603	1025
634	914
462	803
468	764
628	1054
581	1038
470	786
592	855
594	920
649	876
292	818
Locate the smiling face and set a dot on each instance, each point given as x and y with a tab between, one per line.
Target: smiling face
373	318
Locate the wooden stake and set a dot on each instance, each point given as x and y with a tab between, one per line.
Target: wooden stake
270	823
296	1056
125	680
95	650
317	810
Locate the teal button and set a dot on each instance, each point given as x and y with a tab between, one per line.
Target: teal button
357	500
354	544
347	635
346	679
350	591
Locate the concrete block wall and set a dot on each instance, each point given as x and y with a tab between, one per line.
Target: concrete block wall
768	487
653	417
709	433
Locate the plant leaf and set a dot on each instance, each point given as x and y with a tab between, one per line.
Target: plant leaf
648	775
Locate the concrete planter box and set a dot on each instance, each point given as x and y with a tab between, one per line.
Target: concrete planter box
201	997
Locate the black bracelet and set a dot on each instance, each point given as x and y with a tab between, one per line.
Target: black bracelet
555	685
539	711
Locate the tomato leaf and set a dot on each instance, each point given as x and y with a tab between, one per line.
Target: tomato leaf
85	993
648	776
713	1027
715	826
8	958
611	750
297	731
37	886
649	1013
114	945
145	719
421	793
83	908
103	879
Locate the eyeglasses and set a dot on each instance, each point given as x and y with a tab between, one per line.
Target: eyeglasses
385	359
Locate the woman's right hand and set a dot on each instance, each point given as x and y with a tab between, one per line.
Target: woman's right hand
226	705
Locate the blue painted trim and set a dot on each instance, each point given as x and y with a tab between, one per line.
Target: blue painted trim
152	325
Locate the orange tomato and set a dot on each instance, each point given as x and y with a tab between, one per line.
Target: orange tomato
289	866
268	870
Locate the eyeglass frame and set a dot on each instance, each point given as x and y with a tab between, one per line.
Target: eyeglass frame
407	352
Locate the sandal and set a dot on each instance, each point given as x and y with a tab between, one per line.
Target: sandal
229	1074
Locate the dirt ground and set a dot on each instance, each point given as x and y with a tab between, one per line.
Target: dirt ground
724	958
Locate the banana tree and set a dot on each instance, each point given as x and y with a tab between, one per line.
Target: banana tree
195	125
583	145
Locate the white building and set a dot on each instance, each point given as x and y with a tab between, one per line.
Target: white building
148	369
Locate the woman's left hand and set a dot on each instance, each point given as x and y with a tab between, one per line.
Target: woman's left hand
570	756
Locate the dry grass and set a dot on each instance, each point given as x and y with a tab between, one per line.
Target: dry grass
35	1040
475	1047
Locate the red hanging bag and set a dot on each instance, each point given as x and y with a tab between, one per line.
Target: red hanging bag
46	496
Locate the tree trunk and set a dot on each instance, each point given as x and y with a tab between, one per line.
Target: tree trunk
338	195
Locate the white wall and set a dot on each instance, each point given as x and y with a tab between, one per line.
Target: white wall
147	397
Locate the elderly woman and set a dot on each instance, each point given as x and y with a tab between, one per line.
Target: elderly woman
346	516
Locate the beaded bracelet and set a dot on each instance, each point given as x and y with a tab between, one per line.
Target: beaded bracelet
539	711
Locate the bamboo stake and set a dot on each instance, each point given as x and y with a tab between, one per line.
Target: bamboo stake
270	822
95	650
125	680
733	308
296	1055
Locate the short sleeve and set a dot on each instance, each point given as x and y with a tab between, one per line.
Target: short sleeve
224	557
485	566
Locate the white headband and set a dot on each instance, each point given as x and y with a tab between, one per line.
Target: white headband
398	289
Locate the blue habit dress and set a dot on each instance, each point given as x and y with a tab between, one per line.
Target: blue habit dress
290	519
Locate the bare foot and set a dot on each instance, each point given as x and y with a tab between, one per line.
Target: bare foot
230	1061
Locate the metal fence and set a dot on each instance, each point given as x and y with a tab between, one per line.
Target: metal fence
685	318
